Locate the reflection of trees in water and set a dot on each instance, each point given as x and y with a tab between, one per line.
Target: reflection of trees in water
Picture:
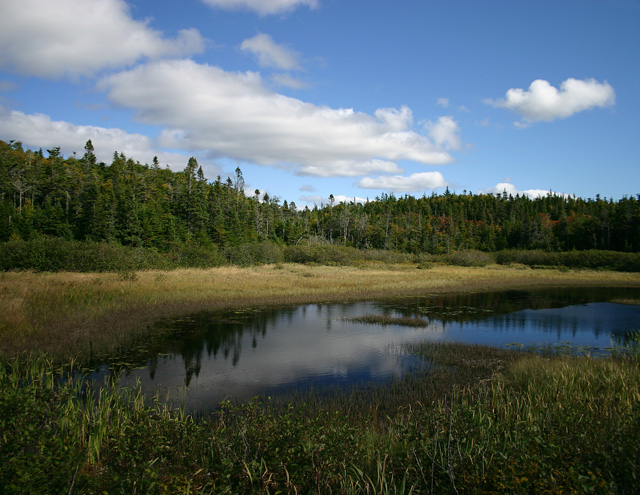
549	323
223	334
482	306
216	335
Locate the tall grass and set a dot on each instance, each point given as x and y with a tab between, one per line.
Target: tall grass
479	420
87	313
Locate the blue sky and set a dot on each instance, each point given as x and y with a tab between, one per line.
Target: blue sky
346	97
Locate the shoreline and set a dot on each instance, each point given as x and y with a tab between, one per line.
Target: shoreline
69	314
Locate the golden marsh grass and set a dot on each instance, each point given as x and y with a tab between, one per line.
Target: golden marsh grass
66	314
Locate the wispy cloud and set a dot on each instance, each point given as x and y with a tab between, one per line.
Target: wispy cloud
262	7
271	54
289	81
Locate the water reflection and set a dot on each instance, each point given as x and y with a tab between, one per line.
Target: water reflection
206	358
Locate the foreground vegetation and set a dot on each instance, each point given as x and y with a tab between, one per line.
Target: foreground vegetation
475	420
480	421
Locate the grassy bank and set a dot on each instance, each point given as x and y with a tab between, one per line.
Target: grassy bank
477	420
74	314
481	421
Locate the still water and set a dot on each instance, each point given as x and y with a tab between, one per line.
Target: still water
206	358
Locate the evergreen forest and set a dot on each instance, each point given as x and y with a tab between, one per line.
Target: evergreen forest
127	203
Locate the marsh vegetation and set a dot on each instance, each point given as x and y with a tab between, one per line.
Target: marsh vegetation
482	420
89	314
477	419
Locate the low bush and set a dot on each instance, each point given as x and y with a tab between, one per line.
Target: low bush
53	255
591	259
255	254
470	257
47	254
323	254
384	256
194	256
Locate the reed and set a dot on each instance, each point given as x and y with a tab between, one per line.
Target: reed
472	420
82	314
479	420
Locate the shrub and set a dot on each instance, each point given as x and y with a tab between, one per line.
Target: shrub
470	257
52	255
591	259
384	256
323	254
254	254
195	256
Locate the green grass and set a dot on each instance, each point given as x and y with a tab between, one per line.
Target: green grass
478	420
474	420
84	314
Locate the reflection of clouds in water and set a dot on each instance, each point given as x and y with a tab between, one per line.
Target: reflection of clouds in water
320	344
593	325
299	346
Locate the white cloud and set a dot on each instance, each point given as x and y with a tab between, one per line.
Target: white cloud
395	119
443	102
307	188
544	102
348	168
444	133
315	199
510	189
289	81
341	198
230	114
271	54
262	7
398	183
54	38
38	130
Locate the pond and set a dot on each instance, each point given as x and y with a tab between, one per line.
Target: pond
205	358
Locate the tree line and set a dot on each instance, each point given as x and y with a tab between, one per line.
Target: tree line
149	206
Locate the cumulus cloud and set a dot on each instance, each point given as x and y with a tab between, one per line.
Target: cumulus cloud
39	130
234	115
271	54
543	102
341	198
399	183
54	38
445	133
262	7
510	189
315	199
